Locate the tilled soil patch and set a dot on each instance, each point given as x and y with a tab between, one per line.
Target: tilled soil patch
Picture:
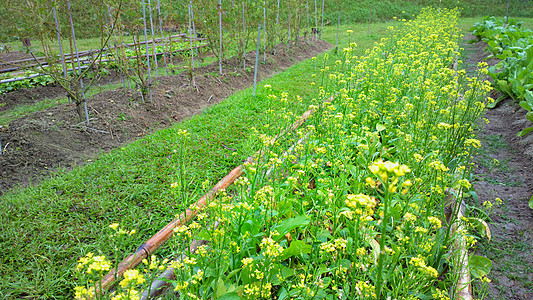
43	141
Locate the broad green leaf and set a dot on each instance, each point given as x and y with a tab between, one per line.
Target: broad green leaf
221	288
288	225
229	296
479	265
525	131
380	127
531	202
297	247
524	105
529	116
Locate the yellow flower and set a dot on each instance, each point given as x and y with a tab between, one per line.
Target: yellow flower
113	226
132	277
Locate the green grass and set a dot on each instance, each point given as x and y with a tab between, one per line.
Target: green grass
45	228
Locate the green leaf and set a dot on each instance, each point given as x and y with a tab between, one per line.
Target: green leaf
481	226
221	288
229	296
380	127
290	224
524	105
531	202
525	131
479	265
297	247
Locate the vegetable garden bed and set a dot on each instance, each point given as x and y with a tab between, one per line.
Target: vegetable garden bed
356	210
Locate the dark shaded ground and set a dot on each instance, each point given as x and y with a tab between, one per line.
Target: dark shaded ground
505	170
43	141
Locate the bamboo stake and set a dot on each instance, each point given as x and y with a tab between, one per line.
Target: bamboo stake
464	289
147	55
316	23
264	31
58	32
78	60
257	57
220	36
322	25
153	37
243	37
338	26
307	7
162	35
289	17
191	21
277	27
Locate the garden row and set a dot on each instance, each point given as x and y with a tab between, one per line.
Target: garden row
352	205
512	43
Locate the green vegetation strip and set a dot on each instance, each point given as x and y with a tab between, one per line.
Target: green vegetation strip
357	210
46	228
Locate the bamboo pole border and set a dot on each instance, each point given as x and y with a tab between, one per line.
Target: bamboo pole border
153	243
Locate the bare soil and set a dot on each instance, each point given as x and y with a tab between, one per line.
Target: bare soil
505	170
39	143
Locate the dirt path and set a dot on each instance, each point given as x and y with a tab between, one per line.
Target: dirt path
505	171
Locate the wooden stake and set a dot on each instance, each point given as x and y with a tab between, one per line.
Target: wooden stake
257	56
162	35
153	40
322	25
243	37
220	36
338	26
191	20
147	56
